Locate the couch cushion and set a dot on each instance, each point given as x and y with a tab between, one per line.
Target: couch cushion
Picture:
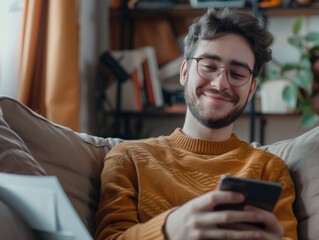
301	154
15	157
75	158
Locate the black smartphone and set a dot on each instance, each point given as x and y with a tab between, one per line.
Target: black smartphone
258	193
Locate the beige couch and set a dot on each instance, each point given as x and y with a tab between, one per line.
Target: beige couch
29	144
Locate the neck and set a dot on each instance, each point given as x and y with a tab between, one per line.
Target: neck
194	129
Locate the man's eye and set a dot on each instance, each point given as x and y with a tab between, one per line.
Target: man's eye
209	67
237	74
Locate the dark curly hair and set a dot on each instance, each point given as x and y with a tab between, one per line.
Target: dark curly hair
215	23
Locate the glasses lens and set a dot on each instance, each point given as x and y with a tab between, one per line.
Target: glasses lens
238	75
208	69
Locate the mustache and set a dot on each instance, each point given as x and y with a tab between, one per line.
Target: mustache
226	95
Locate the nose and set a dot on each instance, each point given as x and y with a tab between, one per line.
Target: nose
221	70
220	82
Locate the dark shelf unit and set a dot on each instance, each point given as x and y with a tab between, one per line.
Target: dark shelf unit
126	118
185	10
127	20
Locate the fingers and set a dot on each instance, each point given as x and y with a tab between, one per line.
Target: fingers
271	223
208	201
228	219
198	219
226	234
197	215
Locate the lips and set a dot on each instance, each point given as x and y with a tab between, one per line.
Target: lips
223	96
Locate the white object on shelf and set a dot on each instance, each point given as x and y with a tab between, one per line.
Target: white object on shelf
271	96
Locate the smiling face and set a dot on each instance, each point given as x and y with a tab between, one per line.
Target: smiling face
216	103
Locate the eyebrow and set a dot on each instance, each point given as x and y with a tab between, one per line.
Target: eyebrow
232	62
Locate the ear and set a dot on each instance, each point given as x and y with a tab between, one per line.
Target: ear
183	73
252	89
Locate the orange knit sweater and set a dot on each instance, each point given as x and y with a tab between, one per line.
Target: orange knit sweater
144	180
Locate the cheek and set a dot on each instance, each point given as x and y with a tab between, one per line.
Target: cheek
246	92
240	94
192	82
244	95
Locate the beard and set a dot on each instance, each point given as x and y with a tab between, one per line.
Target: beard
210	122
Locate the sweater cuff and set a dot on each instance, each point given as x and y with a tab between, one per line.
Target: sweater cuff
153	229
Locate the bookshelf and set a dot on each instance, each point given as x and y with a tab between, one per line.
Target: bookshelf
180	15
123	24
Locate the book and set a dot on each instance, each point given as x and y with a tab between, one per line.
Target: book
138	90
148	83
43	205
144	86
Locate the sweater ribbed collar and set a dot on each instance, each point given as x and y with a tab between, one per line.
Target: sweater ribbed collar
202	146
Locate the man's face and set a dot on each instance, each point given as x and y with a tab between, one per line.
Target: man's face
215	103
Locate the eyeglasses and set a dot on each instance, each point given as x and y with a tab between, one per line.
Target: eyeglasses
209	68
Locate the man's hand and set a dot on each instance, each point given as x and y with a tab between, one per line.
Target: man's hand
197	219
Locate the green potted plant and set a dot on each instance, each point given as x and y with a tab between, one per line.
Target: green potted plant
299	93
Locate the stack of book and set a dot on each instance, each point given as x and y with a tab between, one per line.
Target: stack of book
173	91
143	89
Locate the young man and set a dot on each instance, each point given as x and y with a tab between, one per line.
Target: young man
165	187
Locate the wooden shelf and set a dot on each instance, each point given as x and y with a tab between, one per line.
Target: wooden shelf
161	113
185	10
295	11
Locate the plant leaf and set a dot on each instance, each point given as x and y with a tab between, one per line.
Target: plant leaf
304	79
304	105
295	41
273	74
297	25
314	45
312	36
309	119
289	95
305	62
289	66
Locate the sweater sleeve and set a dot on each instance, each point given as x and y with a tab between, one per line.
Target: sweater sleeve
117	216
279	172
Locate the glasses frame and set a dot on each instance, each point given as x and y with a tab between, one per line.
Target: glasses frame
226	68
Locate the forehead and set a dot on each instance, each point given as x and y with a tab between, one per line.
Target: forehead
228	47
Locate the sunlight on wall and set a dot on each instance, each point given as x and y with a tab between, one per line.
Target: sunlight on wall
10	25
